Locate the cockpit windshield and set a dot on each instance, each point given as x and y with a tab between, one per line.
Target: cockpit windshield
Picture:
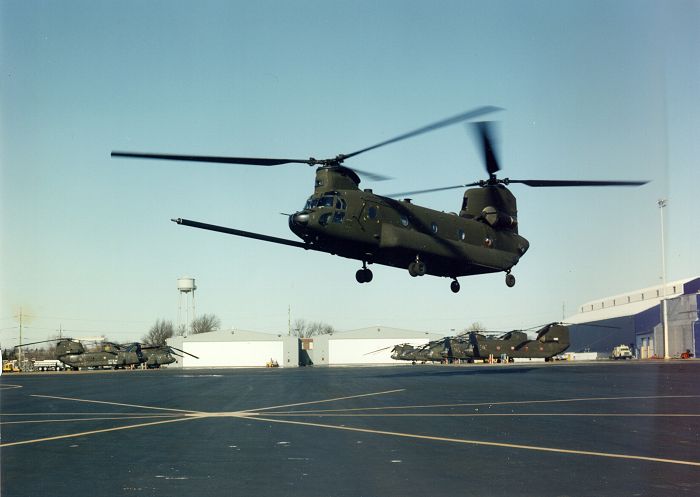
326	200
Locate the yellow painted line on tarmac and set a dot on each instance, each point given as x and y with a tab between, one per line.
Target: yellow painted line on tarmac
326	400
94	432
486	444
144	415
67	420
115	403
505	403
475	415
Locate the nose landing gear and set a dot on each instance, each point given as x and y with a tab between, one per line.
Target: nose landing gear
510	280
454	286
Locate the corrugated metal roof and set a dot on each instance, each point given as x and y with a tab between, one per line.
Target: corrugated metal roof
631	303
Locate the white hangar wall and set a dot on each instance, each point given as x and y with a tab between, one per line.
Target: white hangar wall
236	349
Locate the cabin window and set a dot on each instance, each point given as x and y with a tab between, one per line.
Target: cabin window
404	220
372	212
460	234
434	227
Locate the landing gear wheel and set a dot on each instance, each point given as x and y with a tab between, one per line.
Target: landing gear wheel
363	275
417	267
454	286
510	280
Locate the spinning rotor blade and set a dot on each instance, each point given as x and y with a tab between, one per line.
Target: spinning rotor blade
440	124
484	135
430	190
551	182
253	161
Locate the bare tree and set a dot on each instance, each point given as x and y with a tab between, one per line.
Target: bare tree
159	333
205	323
475	327
306	329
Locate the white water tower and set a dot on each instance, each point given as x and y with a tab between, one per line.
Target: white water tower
186	288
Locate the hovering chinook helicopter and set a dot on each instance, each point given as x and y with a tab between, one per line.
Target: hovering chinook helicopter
341	219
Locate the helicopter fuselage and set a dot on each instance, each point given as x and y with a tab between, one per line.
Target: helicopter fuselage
341	219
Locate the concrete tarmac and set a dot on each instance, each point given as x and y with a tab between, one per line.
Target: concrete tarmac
562	429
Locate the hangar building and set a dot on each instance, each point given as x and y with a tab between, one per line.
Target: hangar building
237	348
635	319
363	346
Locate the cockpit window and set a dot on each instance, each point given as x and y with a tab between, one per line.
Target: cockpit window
326	201
311	203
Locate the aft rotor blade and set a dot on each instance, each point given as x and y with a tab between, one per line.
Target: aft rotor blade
556	183
253	161
430	190
484	133
431	127
180	350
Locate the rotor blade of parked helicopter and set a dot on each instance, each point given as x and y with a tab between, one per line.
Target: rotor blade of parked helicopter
430	190
253	161
556	183
431	127
175	353
43	341
378	350
180	350
484	134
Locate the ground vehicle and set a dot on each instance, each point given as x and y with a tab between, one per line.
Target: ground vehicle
49	365
621	352
10	367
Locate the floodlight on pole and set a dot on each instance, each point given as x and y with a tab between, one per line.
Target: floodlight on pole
662	203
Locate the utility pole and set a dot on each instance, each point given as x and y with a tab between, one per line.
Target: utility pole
19	349
289	320
662	203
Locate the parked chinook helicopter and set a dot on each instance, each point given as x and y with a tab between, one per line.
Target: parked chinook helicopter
341	219
551	340
73	353
155	356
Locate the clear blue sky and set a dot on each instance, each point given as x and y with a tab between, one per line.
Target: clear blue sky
592	90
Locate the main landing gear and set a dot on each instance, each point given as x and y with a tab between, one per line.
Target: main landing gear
417	268
363	275
510	280
454	286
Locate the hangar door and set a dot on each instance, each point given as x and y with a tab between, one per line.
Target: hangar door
366	351
233	354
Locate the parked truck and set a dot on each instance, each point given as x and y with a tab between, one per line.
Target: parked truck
621	352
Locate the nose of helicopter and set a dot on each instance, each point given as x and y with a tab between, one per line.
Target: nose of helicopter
299	218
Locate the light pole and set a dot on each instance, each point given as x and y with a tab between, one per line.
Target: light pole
664	308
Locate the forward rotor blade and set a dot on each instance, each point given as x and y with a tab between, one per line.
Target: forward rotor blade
551	183
370	176
430	190
252	161
484	134
440	124
180	350
43	341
